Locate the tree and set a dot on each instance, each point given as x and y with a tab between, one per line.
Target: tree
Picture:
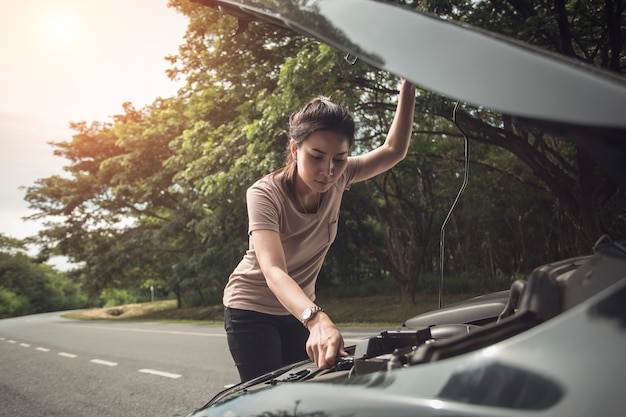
116	196
28	286
591	31
158	194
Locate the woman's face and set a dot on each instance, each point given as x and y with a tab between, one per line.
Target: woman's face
321	159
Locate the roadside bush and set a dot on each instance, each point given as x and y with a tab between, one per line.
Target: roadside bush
28	287
12	304
116	297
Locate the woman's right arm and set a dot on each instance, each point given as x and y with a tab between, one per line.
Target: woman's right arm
325	342
271	257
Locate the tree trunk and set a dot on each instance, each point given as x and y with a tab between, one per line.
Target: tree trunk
407	293
589	218
179	300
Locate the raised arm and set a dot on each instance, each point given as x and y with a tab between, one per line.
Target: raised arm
396	144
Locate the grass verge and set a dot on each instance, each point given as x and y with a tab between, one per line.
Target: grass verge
357	311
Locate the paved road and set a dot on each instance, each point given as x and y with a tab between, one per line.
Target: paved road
50	366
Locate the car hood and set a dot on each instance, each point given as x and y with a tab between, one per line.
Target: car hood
579	102
455	60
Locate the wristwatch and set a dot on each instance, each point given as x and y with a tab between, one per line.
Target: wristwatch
308	314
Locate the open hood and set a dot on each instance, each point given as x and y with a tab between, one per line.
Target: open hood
577	101
460	62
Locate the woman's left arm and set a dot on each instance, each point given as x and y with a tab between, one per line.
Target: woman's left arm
396	144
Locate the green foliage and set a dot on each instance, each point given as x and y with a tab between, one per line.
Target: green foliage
27	286
116	297
12	304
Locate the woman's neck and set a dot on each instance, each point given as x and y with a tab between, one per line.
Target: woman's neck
307	201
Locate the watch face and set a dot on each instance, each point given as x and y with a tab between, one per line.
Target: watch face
306	314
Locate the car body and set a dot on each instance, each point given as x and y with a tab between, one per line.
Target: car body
553	344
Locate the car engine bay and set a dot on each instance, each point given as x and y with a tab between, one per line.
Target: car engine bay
549	290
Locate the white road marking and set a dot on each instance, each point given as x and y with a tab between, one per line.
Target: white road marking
101	362
137	330
160	373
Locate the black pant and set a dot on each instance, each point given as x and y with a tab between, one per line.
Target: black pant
260	343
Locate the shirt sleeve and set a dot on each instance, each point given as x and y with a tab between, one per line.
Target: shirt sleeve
263	211
354	166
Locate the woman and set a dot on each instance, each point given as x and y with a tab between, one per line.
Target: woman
270	315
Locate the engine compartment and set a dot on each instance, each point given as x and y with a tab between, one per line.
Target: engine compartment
549	290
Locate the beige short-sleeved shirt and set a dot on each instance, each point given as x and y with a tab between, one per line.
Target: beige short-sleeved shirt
306	239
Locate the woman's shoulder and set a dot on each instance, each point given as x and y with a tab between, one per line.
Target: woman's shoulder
267	197
269	185
268	181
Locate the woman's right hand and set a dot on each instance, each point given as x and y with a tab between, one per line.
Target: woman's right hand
325	343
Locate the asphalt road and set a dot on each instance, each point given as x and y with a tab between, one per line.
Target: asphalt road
50	366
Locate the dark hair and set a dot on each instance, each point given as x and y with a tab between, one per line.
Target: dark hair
319	113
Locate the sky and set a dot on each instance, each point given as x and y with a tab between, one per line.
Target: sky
69	61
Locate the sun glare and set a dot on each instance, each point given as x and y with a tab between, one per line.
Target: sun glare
60	28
